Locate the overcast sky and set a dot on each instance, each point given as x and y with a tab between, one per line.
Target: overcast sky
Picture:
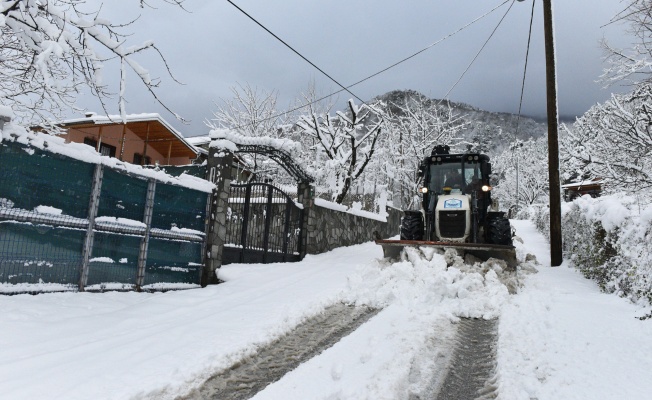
214	47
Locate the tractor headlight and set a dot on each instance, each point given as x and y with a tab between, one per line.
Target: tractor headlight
486	188
423	190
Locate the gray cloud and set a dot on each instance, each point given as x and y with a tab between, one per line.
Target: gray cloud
214	47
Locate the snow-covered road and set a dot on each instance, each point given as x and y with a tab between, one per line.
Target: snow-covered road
559	337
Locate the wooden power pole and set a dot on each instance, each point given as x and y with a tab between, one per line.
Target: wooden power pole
556	256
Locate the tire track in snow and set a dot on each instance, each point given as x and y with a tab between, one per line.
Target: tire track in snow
472	368
251	375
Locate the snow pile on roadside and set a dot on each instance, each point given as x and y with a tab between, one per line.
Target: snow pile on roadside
426	278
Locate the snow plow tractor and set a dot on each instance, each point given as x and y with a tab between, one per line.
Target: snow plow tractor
457	210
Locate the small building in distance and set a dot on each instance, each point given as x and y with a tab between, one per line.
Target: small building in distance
145	139
578	189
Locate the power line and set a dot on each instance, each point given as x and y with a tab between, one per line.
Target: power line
431	45
479	51
295	51
527	54
384	69
520	104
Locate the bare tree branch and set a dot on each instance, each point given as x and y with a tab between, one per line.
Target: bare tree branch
51	51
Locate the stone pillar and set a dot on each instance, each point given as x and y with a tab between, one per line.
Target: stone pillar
305	194
3	119
219	172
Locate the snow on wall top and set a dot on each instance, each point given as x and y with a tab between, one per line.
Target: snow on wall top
229	140
82	152
353	210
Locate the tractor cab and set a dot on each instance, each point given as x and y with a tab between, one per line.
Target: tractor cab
459	185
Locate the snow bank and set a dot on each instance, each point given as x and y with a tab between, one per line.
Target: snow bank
609	239
426	278
82	152
560	338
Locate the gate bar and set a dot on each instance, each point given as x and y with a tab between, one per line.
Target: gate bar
268	222
286	229
245	222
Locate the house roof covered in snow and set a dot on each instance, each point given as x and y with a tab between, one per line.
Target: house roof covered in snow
150	127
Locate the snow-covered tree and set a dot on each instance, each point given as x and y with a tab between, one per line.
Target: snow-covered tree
414	129
250	112
521	174
634	64
613	141
51	50
344	144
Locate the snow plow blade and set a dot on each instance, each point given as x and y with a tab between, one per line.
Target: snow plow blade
392	249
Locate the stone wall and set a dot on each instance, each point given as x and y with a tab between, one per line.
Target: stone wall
329	229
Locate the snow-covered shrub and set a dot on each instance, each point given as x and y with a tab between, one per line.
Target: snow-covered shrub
540	215
609	239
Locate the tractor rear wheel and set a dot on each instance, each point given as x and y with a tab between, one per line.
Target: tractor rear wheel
499	231
412	226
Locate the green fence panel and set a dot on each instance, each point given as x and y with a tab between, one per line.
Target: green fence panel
122	196
176	206
48	252
173	261
114	259
39	253
30	177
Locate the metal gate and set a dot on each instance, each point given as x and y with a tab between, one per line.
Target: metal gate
263	225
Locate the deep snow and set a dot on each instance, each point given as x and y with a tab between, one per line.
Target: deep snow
559	337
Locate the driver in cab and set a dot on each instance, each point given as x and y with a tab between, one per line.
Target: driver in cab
454	180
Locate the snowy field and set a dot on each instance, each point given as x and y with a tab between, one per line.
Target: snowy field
559	337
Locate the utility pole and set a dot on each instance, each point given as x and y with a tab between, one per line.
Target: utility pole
556	255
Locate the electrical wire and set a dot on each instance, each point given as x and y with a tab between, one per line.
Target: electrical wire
384	69
527	54
478	53
295	51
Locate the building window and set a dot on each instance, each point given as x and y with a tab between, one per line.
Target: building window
105	149
138	160
91	142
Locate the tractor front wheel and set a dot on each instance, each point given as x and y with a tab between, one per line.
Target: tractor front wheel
412	226
499	231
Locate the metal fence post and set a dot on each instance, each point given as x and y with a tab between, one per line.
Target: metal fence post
245	221
93	205
144	243
286	229
268	222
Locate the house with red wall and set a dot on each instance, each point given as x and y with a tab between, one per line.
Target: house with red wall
144	139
